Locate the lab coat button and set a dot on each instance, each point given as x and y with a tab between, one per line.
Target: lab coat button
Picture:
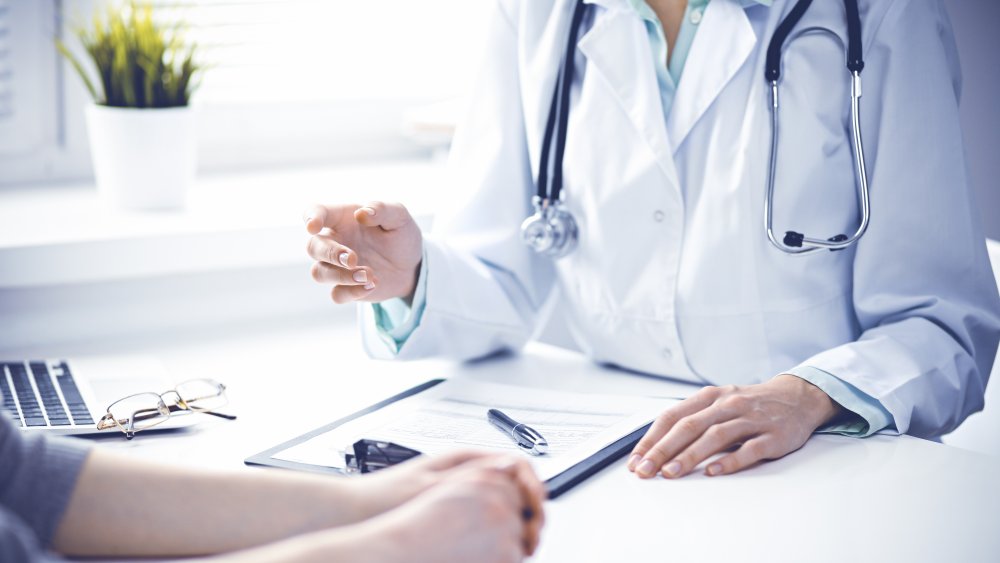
696	16
658	216
667	353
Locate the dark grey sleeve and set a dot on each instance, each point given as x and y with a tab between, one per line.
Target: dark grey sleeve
18	541
37	477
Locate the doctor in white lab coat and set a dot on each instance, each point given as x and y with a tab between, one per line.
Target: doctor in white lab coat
674	274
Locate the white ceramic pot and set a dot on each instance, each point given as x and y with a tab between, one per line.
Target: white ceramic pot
143	158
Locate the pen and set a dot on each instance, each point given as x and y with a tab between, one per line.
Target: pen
526	437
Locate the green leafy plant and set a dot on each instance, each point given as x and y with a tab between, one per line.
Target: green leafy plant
140	62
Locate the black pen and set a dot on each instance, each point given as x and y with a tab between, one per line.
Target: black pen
526	437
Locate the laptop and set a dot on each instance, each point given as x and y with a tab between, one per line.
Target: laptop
70	396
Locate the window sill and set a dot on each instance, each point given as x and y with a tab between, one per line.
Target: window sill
52	235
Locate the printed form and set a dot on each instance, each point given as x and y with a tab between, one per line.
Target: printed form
452	415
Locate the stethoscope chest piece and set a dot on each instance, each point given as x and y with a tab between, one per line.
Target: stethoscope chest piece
551	230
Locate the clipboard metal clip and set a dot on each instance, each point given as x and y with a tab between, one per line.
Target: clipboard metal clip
372	455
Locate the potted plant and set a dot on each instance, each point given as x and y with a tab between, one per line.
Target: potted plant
141	127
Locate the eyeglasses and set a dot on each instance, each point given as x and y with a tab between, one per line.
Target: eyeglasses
145	410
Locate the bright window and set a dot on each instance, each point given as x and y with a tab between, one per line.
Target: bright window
292	82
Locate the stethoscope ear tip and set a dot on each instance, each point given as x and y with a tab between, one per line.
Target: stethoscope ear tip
793	239
797	240
837	238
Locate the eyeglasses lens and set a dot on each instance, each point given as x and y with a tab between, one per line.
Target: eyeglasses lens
139	412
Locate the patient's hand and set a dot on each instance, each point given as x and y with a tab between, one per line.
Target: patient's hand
487	509
393	487
368	253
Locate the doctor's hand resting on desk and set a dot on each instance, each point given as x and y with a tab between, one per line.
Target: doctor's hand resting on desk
620	155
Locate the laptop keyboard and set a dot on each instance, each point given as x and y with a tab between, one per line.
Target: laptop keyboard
34	395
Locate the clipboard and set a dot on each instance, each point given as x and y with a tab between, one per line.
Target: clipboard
556	486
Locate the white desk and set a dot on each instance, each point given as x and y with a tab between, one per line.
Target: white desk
838	499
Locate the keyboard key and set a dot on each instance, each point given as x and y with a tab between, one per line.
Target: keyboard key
22	388
8	396
77	406
34	421
47	391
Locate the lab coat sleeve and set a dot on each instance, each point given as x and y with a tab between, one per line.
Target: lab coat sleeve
395	321
868	415
924	293
484	287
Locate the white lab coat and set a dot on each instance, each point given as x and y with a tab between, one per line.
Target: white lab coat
673	274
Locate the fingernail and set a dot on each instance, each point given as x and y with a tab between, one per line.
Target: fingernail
368	210
308	219
343	258
633	461
714	469
369	286
360	276
672	468
645	468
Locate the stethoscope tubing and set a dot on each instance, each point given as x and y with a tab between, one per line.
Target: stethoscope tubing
797	243
549	189
810	244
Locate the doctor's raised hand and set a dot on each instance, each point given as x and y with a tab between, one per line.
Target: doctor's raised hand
367	252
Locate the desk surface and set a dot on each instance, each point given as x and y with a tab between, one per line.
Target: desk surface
838	499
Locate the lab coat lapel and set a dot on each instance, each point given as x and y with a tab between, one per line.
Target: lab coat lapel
720	48
616	47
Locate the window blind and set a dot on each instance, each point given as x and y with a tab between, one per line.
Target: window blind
6	67
27	69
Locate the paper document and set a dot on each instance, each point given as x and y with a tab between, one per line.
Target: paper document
452	415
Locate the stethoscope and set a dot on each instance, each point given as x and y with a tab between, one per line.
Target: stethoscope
551	229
